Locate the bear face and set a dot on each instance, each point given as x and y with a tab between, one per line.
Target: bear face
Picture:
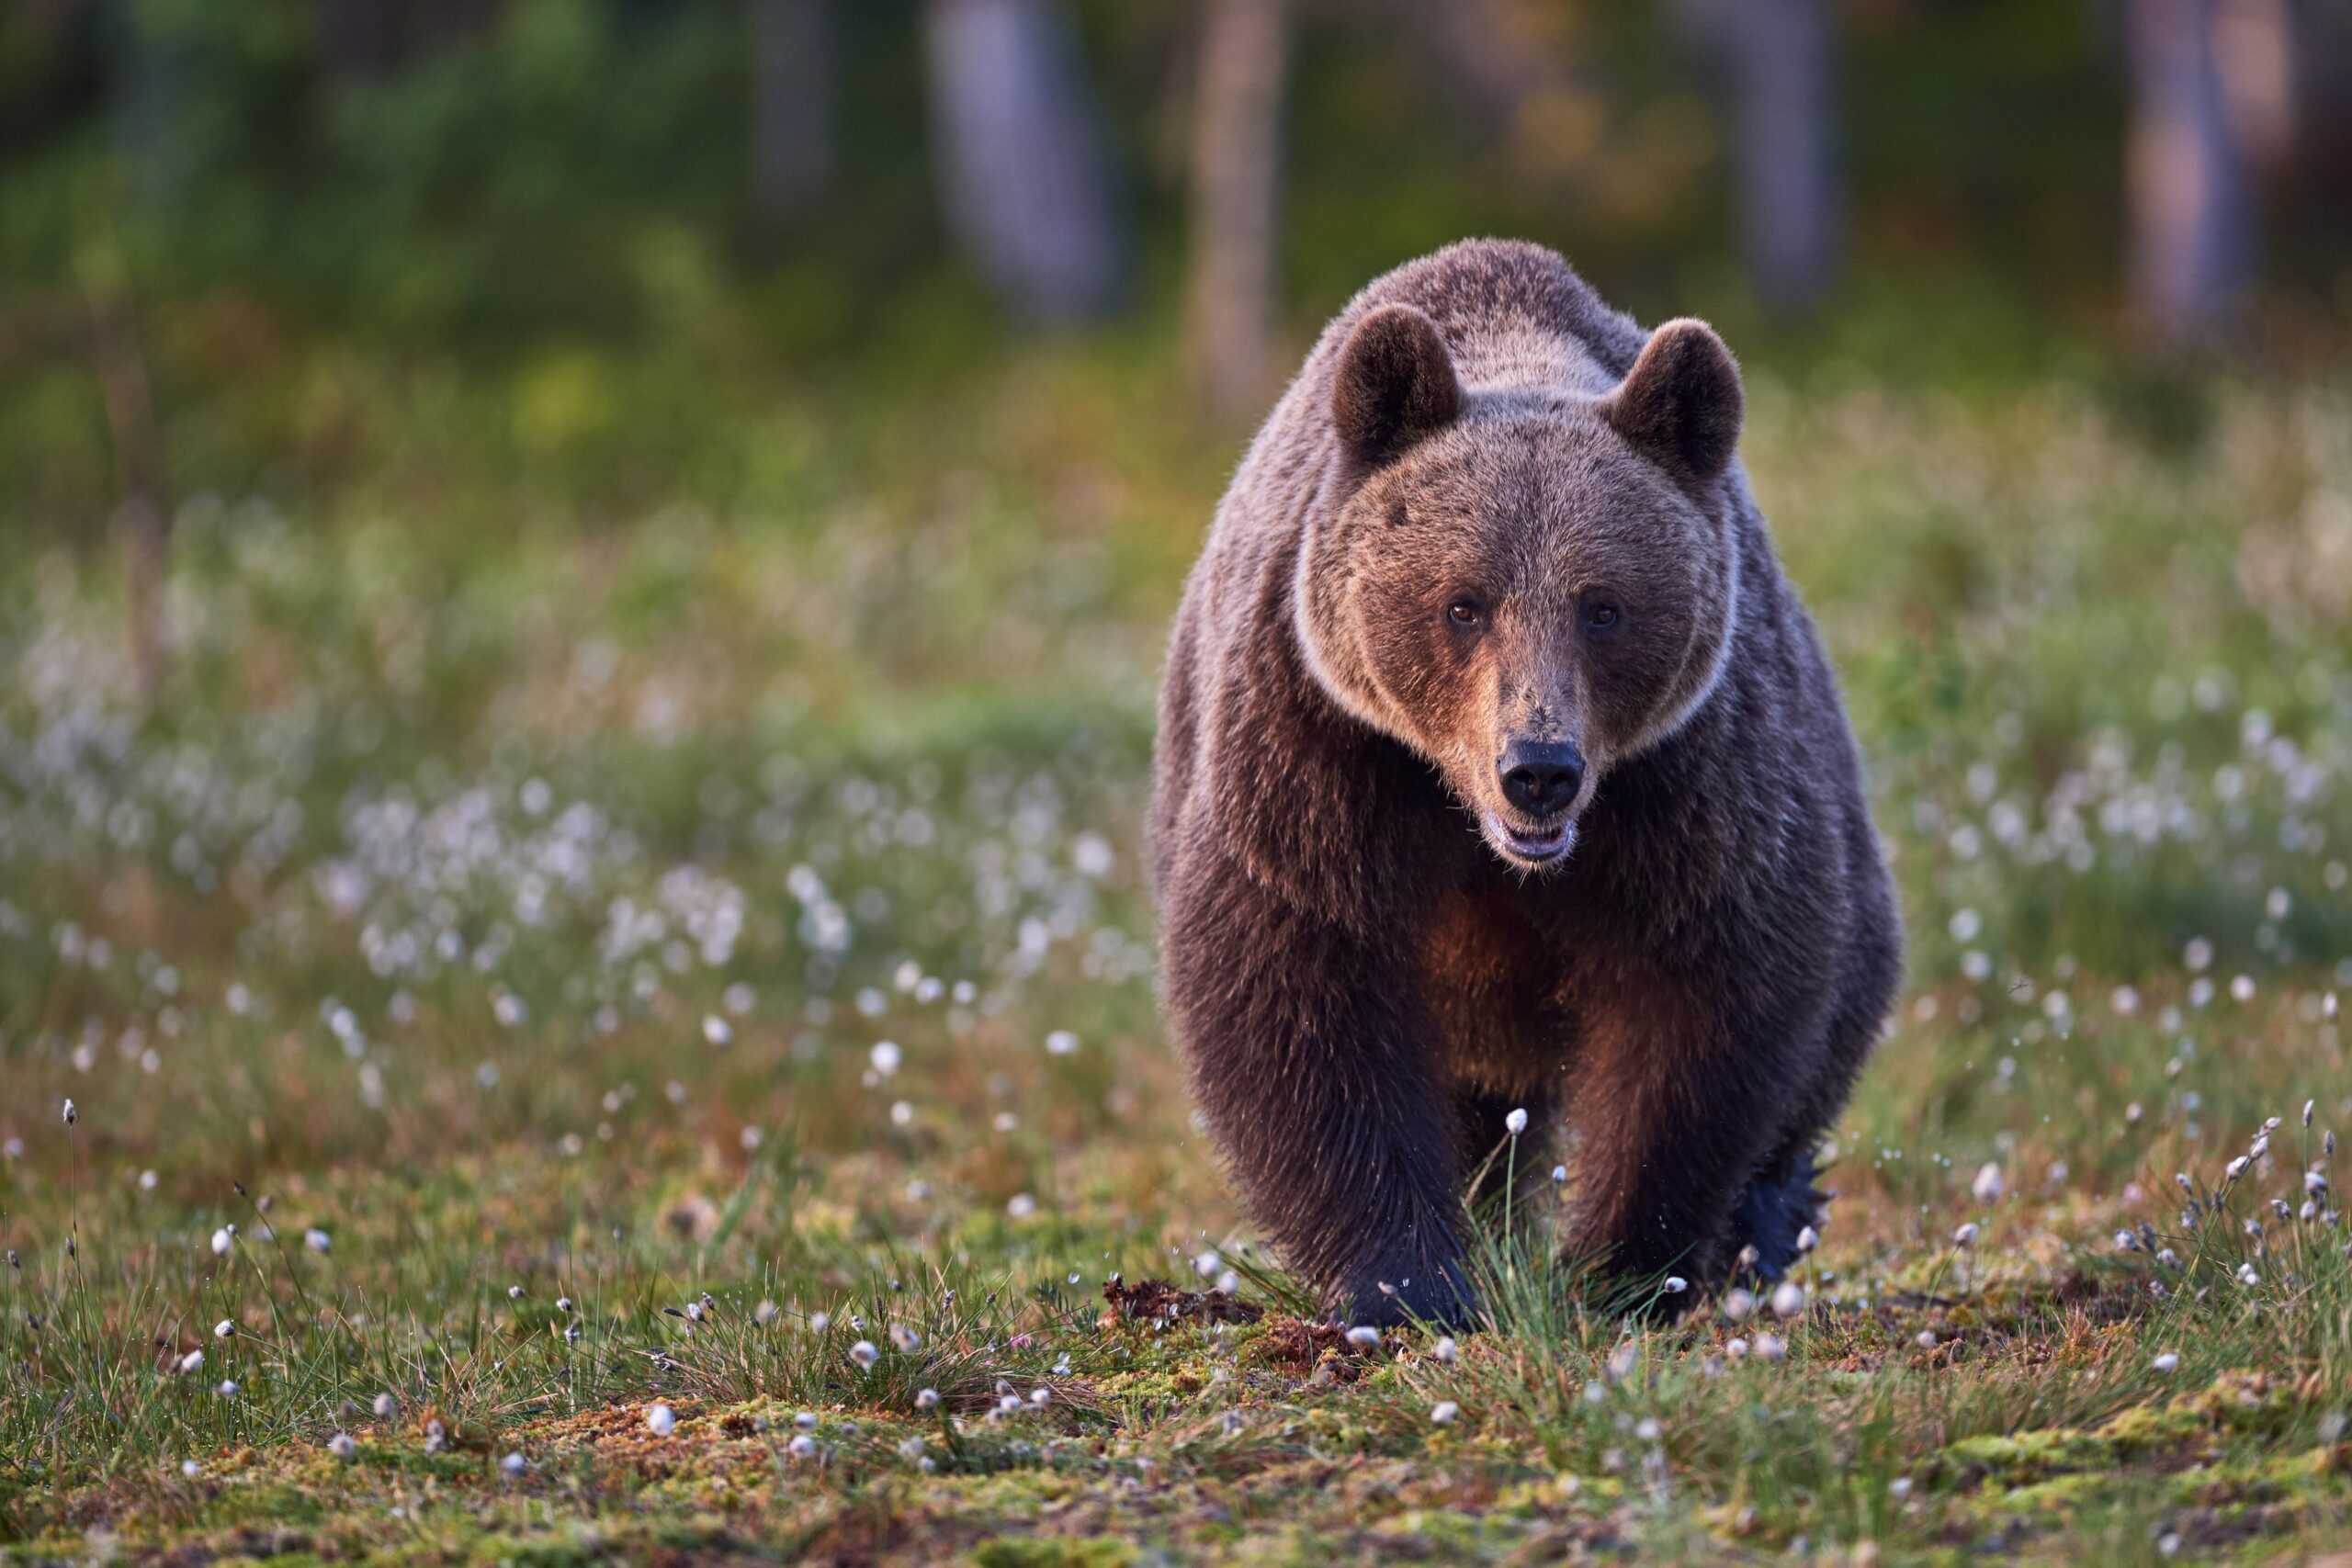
1523	584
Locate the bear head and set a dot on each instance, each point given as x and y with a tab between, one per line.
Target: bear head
1525	584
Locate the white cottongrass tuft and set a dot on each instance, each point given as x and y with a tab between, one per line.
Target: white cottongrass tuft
661	1420
1769	1348
1739	1303
317	1240
927	1399
1966	1234
385	1406
1807	1239
223	1329
514	1464
1675	1284
223	1239
1516	1122
342	1447
1988	1184
886	1057
1445	1413
1061	1042
192	1362
72	1116
2165	1361
865	1354
1788	1299
1446	1351
1363	1336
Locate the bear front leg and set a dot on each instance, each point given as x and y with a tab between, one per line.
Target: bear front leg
1309	1058
1672	1121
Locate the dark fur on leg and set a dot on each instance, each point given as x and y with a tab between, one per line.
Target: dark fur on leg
1770	1214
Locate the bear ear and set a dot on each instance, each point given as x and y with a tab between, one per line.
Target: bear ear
1394	385
1680	404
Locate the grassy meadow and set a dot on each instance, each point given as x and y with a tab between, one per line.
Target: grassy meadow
625	1026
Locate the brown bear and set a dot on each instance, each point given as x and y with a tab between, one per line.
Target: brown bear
1500	767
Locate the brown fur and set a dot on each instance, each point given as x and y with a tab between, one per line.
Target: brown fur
1494	523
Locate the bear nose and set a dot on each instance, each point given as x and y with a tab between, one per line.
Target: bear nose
1542	777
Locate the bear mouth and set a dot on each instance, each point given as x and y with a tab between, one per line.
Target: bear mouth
1531	845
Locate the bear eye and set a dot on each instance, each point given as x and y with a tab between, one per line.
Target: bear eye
1466	611
1602	614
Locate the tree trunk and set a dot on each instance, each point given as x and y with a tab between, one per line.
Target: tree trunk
1782	55
1236	185
143	523
2192	231
355	38
792	105
1023	171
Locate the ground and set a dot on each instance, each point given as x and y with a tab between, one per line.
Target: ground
542	1041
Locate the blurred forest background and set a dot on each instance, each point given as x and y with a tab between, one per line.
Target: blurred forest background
452	247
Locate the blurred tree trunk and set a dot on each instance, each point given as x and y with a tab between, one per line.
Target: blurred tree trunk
143	521
1024	170
1782	56
1236	191
2193	241
355	38
792	105
1791	208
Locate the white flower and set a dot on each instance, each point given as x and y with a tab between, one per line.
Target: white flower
192	1361
1675	1284
906	1340
1041	1396
227	1388
1061	1042
514	1464
717	1029
1807	1239
1768	1347
1363	1336
1988	1184
317	1240
342	1447
801	1447
2236	1167
223	1329
1925	1339
661	1420
72	1116
805	1421
1446	1351
927	1399
864	1353
1021	1206
886	1057
1445	1413
1739	1303
223	1238
819	1322
1559	1173
1515	1124
385	1405
2165	1361
190	1469
912	1449
1966	1234
1788	1299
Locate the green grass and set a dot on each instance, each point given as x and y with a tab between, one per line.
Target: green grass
520	904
